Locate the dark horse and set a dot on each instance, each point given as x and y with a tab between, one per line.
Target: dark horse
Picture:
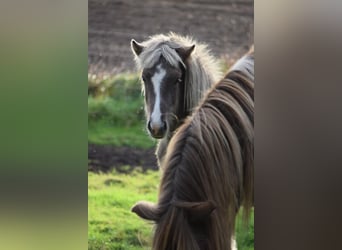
208	169
175	76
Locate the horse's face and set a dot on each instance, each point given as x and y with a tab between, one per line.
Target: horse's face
164	97
164	86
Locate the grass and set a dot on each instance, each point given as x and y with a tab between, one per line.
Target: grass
103	132
115	112
116	117
111	225
118	111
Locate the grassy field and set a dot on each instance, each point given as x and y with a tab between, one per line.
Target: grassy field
116	117
115	112
103	132
111	225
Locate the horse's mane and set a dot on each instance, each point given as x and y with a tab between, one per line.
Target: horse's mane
245	64
209	162
201	68
219	132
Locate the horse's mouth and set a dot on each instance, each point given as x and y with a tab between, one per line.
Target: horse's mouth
158	136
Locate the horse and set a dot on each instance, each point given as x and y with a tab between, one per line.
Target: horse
175	72
207	174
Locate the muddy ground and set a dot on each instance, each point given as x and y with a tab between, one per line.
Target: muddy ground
225	25
103	158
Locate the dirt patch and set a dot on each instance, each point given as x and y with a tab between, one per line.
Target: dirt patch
104	158
225	25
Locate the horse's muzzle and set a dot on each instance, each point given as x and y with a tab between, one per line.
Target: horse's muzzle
157	131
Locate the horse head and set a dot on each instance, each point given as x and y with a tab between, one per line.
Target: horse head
163	86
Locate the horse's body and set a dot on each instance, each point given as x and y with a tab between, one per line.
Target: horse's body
208	169
175	76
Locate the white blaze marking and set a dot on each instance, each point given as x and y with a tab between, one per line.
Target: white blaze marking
157	79
233	244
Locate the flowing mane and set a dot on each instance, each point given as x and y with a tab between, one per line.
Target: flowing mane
208	169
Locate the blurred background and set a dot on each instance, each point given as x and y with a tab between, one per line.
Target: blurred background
43	154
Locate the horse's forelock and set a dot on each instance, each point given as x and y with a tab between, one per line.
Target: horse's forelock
154	50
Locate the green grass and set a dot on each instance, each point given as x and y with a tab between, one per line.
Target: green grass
103	132
119	111
117	122
116	117
116	114
245	233
111	225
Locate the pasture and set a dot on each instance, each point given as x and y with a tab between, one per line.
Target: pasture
116	118
115	112
111	225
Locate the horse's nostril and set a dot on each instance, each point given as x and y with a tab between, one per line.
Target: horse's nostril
149	126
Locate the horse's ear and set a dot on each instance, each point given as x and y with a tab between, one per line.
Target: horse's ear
146	210
185	52
197	210
137	48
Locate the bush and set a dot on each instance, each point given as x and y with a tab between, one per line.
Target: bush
121	86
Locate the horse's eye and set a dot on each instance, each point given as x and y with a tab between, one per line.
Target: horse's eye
143	78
